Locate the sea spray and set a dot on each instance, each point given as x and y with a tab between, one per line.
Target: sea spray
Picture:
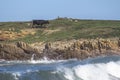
100	71
32	58
16	75
66	72
113	69
104	68
44	60
90	72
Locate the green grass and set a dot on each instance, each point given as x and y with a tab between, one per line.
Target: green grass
16	25
69	30
88	29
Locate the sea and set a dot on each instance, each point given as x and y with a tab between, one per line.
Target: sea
98	68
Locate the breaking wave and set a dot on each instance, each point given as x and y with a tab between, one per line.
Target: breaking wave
100	68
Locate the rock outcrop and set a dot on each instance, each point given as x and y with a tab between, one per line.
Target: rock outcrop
18	51
82	49
79	49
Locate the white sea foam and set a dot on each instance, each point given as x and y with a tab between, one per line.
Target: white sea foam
16	75
31	61
32	58
67	72
113	69
44	60
91	72
97	71
88	71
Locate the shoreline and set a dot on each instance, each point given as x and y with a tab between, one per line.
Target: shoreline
60	50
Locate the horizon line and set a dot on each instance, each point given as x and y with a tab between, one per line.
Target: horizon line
62	17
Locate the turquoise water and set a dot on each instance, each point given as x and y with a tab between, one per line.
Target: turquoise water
100	68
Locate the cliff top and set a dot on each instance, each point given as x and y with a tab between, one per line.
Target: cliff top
58	30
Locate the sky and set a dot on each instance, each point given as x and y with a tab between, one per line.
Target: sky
26	10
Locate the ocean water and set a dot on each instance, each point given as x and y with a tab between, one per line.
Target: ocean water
100	68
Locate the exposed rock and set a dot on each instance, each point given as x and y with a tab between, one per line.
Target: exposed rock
25	47
79	49
48	46
18	51
82	49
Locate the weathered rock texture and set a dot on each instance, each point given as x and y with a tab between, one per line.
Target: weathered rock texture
80	49
18	51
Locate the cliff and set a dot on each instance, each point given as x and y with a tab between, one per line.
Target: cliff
80	49
17	51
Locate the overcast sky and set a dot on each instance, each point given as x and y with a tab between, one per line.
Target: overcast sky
25	10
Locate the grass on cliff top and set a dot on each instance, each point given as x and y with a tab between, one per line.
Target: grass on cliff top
68	29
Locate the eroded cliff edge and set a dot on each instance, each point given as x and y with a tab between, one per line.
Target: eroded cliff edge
80	49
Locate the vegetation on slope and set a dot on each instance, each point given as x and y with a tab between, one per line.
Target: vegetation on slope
65	29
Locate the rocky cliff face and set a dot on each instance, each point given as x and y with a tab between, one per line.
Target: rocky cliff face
18	51
80	49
